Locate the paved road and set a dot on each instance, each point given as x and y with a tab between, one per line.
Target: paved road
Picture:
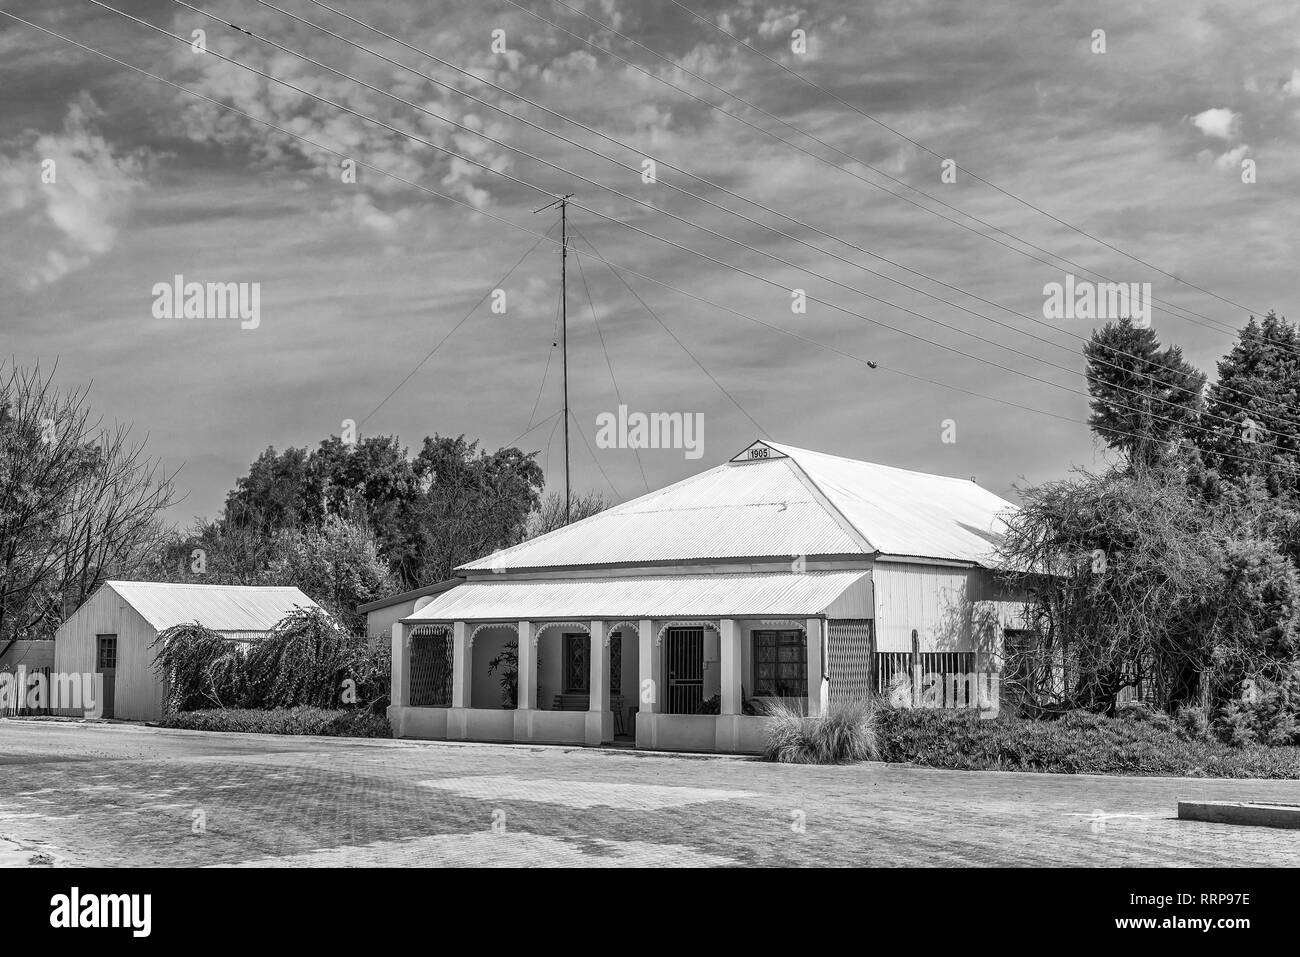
97	794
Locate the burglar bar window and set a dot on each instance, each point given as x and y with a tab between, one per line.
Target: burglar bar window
107	651
780	664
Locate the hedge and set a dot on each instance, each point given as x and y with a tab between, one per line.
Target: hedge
1135	743
302	720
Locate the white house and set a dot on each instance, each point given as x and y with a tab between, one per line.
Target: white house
782	573
111	633
383	613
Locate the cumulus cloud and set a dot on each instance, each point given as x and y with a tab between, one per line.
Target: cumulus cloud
337	129
1231	160
1218	122
66	223
1292	86
778	23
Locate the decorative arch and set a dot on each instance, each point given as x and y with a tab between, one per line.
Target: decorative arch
801	625
619	626
707	625
564	624
469	639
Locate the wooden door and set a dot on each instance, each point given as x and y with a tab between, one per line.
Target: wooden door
106	665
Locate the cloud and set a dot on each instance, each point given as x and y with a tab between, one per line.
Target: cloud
1219	122
1231	160
1292	86
69	222
778	23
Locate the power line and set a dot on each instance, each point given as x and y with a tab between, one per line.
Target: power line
428	355
1216	325
617	267
583	435
698	197
549	442
549	353
489	168
644	305
618	394
536	425
922	146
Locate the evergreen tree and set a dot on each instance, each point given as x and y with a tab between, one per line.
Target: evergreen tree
1144	398
1258	389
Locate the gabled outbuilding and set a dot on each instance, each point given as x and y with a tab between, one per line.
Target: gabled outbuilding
111	634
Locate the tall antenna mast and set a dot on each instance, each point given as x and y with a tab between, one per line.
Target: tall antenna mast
563	203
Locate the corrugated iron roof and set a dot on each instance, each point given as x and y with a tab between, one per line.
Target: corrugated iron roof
901	512
225	608
641	596
797	502
726	512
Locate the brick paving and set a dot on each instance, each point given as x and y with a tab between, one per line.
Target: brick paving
123	795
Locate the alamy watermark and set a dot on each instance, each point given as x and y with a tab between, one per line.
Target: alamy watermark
61	691
976	691
179	299
75	909
651	430
1084	299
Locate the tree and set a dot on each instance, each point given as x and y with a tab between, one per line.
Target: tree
1144	399
274	493
449	504
550	514
1132	572
338	565
79	503
473	502
1258	391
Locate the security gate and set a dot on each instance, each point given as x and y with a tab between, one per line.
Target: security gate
685	668
431	666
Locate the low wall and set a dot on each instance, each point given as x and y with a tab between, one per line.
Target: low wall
724	734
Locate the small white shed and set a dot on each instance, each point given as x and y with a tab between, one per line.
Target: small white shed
111	633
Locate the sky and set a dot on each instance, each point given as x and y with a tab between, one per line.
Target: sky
1142	147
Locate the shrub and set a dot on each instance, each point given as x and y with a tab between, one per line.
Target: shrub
302	661
201	668
1077	743
845	732
372	669
349	724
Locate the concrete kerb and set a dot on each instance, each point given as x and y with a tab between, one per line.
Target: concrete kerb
342	741
1241	813
147	728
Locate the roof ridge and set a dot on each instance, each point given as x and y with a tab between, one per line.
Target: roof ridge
794	452
828	504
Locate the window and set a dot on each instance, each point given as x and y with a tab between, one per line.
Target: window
780	664
107	657
616	663
577	673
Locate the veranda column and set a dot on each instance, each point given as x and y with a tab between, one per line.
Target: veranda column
648	674
815	630
600	723
649	668
730	655
401	686
527	691
461	678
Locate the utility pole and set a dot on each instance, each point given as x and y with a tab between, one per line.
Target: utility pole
563	203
